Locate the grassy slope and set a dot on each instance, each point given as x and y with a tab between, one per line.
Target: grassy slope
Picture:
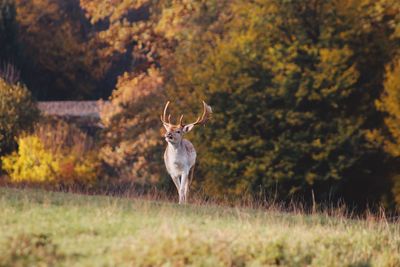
75	230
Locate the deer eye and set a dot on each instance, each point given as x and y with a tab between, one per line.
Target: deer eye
178	132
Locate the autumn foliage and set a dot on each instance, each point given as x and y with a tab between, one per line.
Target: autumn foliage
305	93
54	154
17	113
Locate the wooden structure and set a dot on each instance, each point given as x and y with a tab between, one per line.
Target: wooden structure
85	114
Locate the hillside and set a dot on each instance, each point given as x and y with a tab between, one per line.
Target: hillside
58	229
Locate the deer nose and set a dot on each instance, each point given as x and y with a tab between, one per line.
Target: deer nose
168	135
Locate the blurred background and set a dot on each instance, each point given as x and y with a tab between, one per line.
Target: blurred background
306	96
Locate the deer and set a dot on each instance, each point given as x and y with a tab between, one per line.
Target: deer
180	154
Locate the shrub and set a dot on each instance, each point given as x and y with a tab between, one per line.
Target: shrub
75	151
31	163
75	170
56	153
65	138
18	112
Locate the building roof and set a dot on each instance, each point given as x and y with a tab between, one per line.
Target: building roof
71	108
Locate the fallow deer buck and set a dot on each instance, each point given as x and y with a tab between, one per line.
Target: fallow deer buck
180	155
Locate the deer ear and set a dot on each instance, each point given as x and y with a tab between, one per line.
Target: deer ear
188	128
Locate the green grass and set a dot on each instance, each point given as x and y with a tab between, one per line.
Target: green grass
39	228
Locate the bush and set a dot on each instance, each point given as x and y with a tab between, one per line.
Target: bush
32	162
18	112
57	154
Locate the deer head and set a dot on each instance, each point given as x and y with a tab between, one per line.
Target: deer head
175	132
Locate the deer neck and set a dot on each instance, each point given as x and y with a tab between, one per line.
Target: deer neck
175	147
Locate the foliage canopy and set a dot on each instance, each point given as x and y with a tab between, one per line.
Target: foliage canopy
305	93
18	113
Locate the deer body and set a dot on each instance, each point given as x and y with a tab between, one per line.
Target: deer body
180	154
179	160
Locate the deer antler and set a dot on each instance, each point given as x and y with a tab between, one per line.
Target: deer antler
164	116
207	113
181	122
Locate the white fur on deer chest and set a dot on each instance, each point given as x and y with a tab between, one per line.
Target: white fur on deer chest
179	158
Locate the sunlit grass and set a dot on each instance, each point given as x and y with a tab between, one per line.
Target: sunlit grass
58	229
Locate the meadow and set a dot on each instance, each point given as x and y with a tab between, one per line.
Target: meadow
40	228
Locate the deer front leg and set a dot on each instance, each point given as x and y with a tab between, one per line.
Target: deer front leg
182	189
177	184
176	181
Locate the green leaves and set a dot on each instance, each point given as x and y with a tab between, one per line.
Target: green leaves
283	79
18	112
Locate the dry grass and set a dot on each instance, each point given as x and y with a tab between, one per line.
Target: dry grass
59	229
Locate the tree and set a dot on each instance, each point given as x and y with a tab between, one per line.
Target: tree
147	33
8	30
57	53
18	112
389	136
132	144
132	141
291	95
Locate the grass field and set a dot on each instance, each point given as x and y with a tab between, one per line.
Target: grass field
39	228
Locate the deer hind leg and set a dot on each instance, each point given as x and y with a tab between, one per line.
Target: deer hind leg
189	182
186	190
182	189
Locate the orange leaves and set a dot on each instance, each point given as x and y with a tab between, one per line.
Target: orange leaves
113	10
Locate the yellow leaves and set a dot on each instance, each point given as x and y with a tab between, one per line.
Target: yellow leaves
131	86
32	163
73	169
334	56
390	101
117	36
317	143
334	75
54	154
375	137
173	19
390	104
311	177
17	113
331	60
98	10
